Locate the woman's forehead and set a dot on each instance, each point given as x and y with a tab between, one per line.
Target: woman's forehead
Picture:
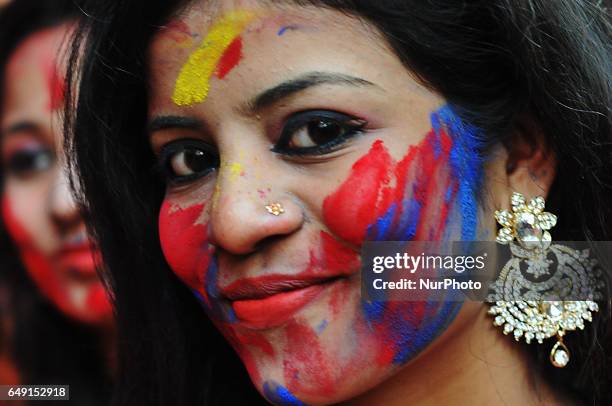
36	63
188	28
247	47
38	45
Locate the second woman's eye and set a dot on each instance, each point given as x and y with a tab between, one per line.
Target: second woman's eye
317	132
185	160
29	162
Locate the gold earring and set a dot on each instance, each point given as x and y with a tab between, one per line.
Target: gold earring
275	209
530	297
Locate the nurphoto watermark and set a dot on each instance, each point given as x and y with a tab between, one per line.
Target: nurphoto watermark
482	271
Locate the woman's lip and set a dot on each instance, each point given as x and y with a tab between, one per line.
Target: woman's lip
274	310
78	260
269	285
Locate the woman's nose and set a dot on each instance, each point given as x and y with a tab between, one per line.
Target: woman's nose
243	217
62	206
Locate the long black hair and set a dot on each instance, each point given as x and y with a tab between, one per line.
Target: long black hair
46	346
502	64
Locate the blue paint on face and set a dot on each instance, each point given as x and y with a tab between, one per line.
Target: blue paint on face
321	327
466	164
405	333
412	341
231	316
374	310
210	284
279	395
437	145
399	223
198	295
449	194
382	226
408	222
286	28
217	308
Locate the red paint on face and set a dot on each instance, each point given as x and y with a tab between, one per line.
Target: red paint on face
376	182
55	81
337	258
330	260
185	245
230	58
46	273
339	297
398	314
341	260
306	369
303	346
255	340
431	190
352	208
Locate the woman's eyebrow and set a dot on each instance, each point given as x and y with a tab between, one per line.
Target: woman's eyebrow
159	123
19	127
300	83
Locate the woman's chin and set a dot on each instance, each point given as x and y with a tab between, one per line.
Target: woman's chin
318	357
85	303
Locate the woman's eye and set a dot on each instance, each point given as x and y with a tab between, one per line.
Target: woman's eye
29	162
317	132
187	160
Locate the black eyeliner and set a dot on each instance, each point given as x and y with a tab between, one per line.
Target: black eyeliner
168	151
24	162
299	120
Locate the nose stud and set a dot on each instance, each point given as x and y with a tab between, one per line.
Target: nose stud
276	209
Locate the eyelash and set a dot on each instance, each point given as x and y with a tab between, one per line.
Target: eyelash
29	161
349	127
171	151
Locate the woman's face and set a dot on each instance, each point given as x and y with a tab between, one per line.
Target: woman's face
37	207
309	108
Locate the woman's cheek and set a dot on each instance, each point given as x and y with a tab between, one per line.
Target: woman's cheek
36	263
185	245
351	209
88	304
428	195
384	200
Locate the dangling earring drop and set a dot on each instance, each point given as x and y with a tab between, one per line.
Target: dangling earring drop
527	299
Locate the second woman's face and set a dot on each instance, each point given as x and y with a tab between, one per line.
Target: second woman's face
37	207
253	109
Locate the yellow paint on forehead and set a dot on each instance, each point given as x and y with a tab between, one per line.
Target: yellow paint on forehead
193	82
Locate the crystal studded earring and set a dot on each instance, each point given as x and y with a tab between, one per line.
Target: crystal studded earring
527	298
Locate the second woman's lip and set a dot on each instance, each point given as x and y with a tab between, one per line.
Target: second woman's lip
78	260
269	301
